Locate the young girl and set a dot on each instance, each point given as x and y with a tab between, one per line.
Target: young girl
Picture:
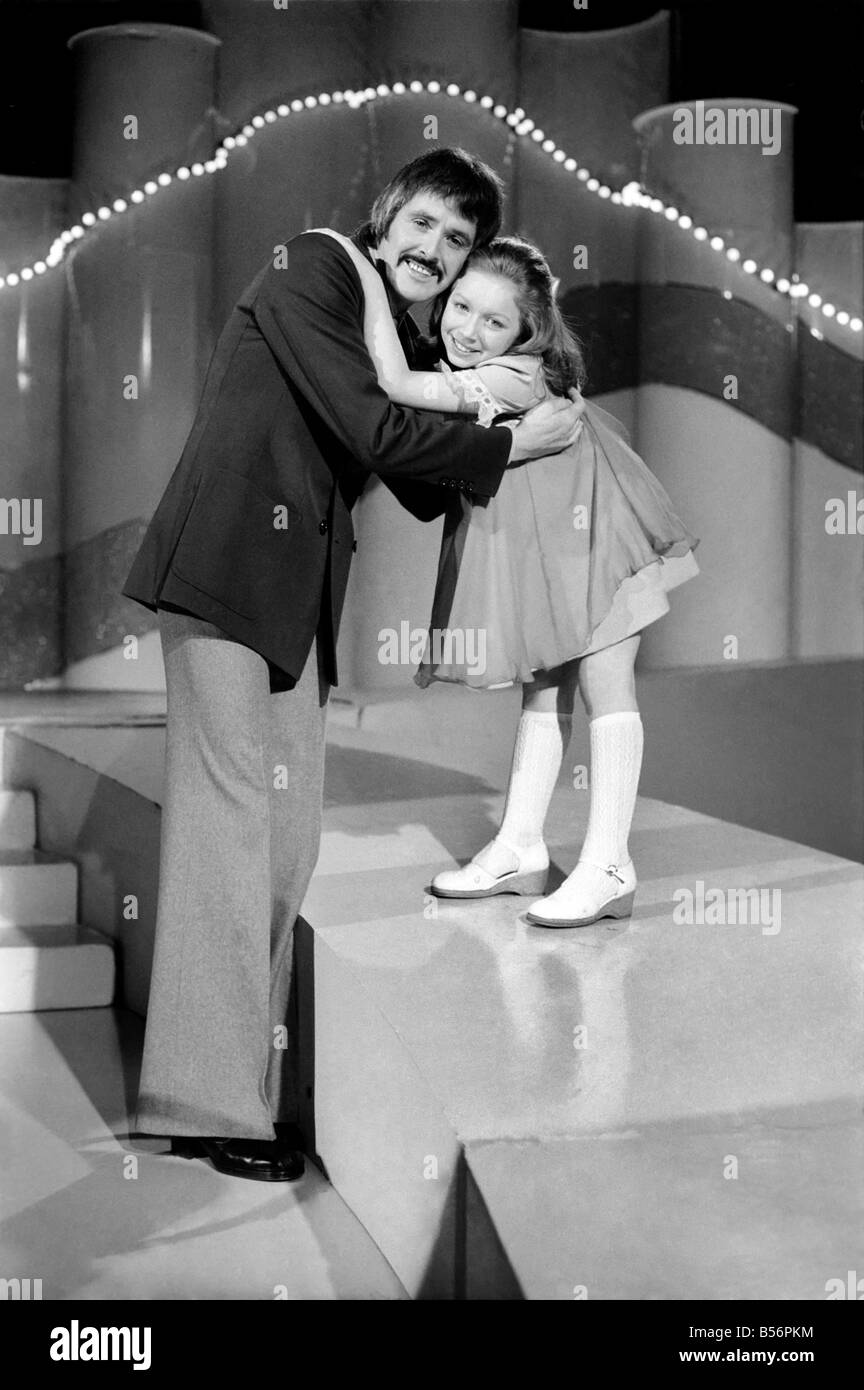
559	573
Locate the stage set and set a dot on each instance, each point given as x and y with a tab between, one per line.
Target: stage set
662	1108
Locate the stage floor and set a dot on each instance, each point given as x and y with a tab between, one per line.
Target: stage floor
667	1107
661	1108
99	1218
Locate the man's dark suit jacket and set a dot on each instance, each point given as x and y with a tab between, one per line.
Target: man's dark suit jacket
291	424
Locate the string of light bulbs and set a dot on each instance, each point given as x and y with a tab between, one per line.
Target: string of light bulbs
633	194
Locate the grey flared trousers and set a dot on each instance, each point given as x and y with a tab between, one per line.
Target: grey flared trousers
241	824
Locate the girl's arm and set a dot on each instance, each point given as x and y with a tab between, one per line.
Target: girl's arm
424	390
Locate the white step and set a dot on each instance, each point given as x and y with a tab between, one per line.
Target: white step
52	966
37	888
17	819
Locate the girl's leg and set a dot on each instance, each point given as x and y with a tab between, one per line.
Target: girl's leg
518	850
605	875
608	688
542	737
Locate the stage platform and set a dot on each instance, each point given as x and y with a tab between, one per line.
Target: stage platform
657	1109
649	1109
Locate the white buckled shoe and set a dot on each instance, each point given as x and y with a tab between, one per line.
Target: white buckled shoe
592	891
482	877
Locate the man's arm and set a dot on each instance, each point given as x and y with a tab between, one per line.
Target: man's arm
311	314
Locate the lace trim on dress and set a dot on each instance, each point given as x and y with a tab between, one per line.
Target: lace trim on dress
473	390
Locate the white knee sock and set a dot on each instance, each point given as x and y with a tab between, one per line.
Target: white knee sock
537	755
616	761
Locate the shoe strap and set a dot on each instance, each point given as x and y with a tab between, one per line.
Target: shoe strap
610	869
514	849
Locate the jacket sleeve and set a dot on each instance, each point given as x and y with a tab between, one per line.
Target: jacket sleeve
310	313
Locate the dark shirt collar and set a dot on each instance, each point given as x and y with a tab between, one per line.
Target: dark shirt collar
364	239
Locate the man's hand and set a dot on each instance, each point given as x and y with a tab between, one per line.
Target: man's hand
546	428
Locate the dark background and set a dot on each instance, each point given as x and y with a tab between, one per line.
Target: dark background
809	56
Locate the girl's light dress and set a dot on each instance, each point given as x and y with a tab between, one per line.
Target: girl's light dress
575	551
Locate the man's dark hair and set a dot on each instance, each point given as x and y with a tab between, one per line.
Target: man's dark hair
452	174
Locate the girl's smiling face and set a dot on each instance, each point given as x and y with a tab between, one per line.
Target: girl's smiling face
481	319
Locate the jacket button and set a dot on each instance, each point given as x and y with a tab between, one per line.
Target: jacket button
322	527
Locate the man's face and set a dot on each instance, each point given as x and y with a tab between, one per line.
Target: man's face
425	248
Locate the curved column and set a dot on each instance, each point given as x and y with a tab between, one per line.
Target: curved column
32	352
426	39
310	168
393	576
716	367
139	315
828	618
585	89
582	90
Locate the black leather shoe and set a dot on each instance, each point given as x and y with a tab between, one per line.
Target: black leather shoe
288	1135
265	1160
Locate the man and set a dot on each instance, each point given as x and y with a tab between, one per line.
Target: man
246	561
